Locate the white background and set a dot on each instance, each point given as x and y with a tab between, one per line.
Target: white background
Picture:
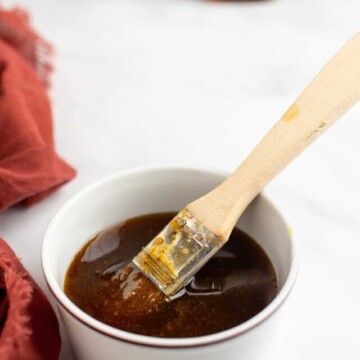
142	82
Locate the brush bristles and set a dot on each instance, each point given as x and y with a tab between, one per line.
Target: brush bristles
172	258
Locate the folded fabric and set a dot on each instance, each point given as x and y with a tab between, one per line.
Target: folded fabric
28	325
30	169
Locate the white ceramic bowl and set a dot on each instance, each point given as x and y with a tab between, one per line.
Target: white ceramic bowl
141	191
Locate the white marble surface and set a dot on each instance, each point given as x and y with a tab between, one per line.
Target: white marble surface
142	82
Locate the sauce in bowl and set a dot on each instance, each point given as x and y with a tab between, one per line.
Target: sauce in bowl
237	283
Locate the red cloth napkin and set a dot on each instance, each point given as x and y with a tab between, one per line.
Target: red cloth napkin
29	329
30	169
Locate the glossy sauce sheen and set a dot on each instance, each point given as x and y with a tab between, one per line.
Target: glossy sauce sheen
237	283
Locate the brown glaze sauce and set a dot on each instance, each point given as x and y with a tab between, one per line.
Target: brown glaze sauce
236	284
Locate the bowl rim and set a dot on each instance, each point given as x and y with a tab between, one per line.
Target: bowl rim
150	341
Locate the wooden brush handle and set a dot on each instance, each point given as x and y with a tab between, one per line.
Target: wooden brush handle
334	91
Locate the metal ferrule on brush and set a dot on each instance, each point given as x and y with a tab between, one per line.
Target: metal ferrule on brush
173	257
